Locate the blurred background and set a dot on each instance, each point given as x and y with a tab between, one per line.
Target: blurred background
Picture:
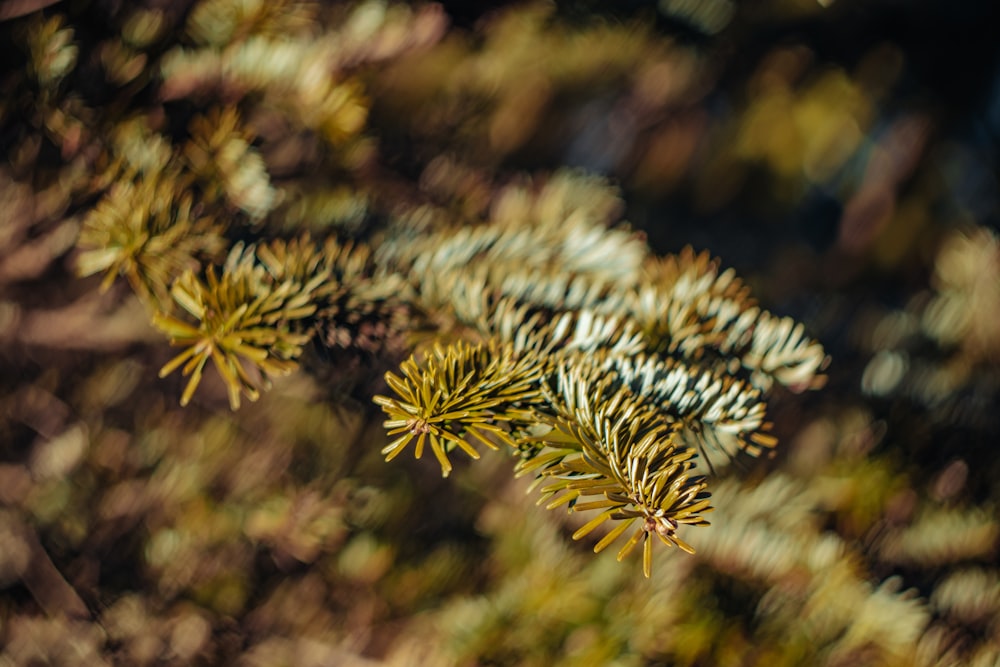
841	155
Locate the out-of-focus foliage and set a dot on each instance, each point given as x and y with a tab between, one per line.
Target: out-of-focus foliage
301	196
960	318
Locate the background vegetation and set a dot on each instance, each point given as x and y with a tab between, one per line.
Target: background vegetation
166	164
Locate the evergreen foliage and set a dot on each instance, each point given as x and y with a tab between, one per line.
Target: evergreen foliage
398	229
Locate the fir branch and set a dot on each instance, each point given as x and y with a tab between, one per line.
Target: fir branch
609	443
220	22
718	412
560	291
614	348
683	301
775	349
322	208
305	263
532	230
147	231
969	595
53	53
244	323
939	536
358	306
221	154
455	397
136	149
